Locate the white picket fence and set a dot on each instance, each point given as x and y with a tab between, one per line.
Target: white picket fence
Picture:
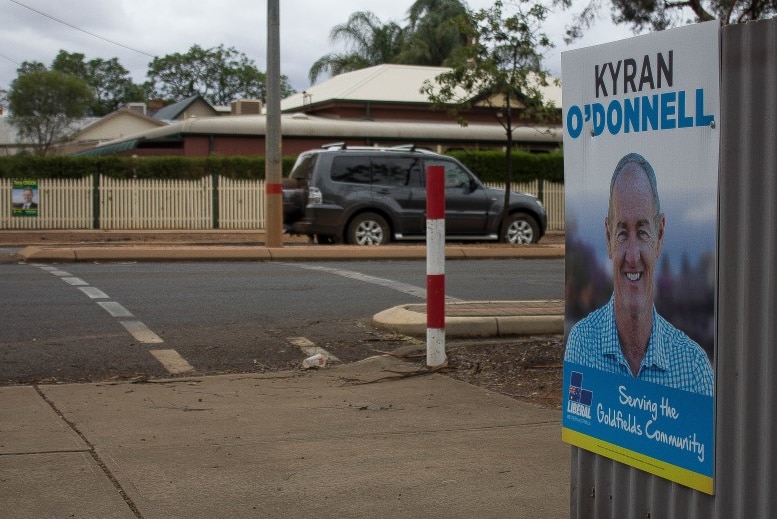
552	199
148	204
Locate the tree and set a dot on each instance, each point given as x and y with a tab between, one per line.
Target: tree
433	33
44	105
501	68
651	15
28	67
368	42
219	74
109	81
430	38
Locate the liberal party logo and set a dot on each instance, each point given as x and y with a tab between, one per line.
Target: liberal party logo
579	403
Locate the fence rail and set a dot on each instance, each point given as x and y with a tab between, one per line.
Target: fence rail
151	204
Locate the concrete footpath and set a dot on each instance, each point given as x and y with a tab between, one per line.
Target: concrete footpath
324	443
369	439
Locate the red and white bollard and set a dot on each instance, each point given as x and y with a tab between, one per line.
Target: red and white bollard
435	266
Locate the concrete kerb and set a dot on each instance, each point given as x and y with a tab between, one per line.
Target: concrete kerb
259	253
48	254
410	319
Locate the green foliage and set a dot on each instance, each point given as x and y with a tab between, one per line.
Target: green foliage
110	83
44	105
112	86
430	38
501	68
433	34
29	166
369	42
489	166
219	74
26	166
657	16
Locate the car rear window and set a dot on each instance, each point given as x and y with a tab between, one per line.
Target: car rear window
303	168
351	169
393	171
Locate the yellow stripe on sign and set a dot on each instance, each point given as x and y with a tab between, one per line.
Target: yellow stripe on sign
648	464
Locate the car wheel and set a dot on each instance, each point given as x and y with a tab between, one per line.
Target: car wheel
521	228
368	229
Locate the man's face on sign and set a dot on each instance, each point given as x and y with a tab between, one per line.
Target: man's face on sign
635	235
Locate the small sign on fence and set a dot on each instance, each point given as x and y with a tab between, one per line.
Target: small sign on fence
25	198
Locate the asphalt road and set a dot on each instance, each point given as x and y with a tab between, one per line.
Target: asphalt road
98	321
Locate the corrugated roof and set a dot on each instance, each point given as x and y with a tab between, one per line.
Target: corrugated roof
109	149
170	112
382	83
299	125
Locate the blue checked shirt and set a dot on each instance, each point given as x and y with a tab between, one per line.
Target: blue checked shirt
673	359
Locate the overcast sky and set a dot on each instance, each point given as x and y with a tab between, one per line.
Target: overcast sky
134	31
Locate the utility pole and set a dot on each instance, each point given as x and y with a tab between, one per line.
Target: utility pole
272	157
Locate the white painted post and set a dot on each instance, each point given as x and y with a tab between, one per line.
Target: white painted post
435	266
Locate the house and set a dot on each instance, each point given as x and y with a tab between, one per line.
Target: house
116	125
387	92
195	106
377	106
86	133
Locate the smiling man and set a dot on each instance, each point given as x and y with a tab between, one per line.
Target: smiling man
627	336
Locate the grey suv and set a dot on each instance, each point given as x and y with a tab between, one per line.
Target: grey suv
370	196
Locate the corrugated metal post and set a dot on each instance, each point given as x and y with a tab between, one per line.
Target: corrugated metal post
746	454
273	169
435	266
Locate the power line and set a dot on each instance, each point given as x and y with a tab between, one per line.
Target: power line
9	59
79	29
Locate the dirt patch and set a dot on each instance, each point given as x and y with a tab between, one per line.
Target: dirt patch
529	369
525	368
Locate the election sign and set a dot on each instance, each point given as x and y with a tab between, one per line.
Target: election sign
641	137
24	198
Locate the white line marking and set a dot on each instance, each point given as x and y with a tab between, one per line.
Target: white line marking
93	292
46	267
172	361
60	273
388	283
115	309
300	342
141	332
310	349
76	282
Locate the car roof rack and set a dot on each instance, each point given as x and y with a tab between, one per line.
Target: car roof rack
411	148
334	145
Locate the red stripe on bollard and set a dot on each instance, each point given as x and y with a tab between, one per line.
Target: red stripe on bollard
435	189
435	301
273	189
